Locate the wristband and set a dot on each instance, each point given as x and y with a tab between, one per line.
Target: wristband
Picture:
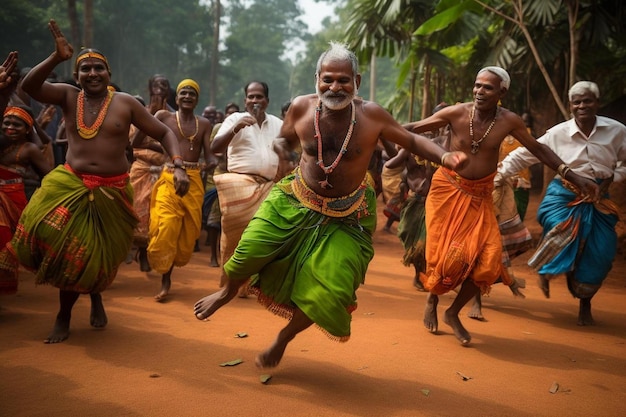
444	156
563	169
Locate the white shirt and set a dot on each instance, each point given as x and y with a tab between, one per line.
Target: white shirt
251	149
595	157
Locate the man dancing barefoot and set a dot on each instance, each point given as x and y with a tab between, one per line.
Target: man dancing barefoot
310	242
463	240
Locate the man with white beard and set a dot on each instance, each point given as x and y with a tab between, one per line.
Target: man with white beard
310	242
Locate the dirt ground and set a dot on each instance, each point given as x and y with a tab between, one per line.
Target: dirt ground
157	359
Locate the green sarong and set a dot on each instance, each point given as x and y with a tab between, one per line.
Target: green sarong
76	230
297	256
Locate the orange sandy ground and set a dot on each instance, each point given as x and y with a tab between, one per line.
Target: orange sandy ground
157	359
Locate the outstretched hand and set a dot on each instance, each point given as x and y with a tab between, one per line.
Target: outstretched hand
6	69
63	48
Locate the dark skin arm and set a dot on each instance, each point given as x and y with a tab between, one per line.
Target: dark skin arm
7	79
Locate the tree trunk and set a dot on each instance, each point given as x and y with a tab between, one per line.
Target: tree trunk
88	25
217	14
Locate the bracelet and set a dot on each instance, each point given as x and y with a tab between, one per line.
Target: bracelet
443	157
175	157
563	169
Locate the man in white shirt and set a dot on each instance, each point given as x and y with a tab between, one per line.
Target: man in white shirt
579	234
247	138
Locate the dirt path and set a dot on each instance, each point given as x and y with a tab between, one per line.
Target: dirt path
158	360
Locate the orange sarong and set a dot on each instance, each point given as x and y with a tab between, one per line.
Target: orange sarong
462	236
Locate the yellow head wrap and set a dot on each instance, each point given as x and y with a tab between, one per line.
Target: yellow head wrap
92	54
188	83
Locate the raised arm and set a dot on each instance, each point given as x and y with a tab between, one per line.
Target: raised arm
7	79
35	83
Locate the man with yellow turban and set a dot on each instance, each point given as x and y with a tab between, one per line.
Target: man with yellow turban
176	221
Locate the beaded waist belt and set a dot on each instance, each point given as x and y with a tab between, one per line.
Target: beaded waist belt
186	165
328	206
11	181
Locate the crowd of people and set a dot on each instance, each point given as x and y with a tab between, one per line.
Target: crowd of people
289	202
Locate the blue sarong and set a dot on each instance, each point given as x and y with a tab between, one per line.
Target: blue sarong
591	252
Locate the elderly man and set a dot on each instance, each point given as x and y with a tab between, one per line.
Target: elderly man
463	239
310	242
579	231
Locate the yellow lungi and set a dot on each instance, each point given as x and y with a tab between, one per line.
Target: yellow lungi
175	222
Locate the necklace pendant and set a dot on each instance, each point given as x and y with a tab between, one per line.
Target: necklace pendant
475	147
325	184
191	146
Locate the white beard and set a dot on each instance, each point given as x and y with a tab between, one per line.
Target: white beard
334	101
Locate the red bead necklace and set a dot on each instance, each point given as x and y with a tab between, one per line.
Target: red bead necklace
344	147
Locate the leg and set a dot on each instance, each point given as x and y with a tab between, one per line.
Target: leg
417	283
387	227
272	356
213	234
208	305
476	312
61	329
584	312
544	284
142	254
166	283
98	318
451	316
430	313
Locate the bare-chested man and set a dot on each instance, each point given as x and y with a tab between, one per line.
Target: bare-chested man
176	221
311	240
463	240
78	226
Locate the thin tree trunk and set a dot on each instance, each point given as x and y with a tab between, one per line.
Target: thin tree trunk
217	13
88	25
72	15
426	100
373	77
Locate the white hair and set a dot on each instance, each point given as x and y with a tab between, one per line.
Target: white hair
505	79
582	87
338	52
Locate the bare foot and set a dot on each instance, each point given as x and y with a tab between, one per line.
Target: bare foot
166	283
430	313
214	263
453	321
584	313
272	356
208	305
476	312
98	317
544	285
60	331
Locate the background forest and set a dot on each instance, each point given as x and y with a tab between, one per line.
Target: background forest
413	53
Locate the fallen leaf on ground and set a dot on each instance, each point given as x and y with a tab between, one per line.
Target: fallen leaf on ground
241	335
232	363
426	392
465	377
265	379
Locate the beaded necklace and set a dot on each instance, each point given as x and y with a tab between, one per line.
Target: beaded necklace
180	129
344	147
476	143
88	132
